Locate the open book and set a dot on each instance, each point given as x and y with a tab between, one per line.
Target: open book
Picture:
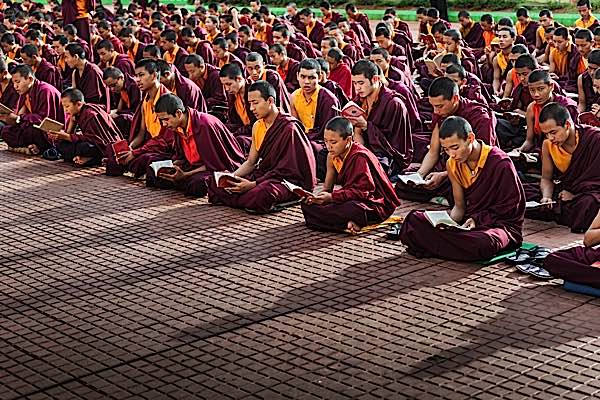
535	204
297	190
528	157
50	125
5	110
415	178
437	218
225	179
353	110
158	165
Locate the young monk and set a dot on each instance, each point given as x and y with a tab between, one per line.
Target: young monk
546	21
587	20
585	84
569	154
239	117
37	100
500	62
471	92
44	71
222	54
526	27
565	60
173	54
8	94
580	263
195	45
202	145
339	70
584	41
488	198
287	67
206	77
542	91
126	95
181	86
109	57
330	85
282	35
366	196
134	48
256	71
97	131
87	76
470	30
284	153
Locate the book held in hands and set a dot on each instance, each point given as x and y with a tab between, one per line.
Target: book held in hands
50	125
225	179
415	178
353	110
442	218
119	147
297	189
165	165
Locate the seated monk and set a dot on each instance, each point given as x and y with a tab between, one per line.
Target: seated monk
173	54
87	76
197	46
471	31
8	94
281	36
330	85
180	86
445	98
584	40
488	199
203	145
546	21
256	71
565	60
339	70
506	38
366	196
578	264
512	79
383	59
44	71
471	92
148	142
569	155
222	54
526	27
542	91
286	67
386	129
37	100
239	117
585	83
98	131
132	45
126	95
206	77
284	151
587	20
314	106
109	57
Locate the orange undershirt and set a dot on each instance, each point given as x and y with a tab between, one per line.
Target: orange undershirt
560	157
461	171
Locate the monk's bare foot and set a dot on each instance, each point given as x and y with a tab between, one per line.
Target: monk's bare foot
353	228
80	161
33	149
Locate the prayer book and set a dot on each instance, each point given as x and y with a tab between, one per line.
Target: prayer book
415	178
120	146
437	218
158	165
225	179
297	189
50	125
5	110
353	110
528	157
535	204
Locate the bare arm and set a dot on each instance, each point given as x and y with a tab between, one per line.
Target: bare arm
497	76
581	92
330	176
458	211
508	88
530	120
592	236
552	65
546	184
433	155
248	166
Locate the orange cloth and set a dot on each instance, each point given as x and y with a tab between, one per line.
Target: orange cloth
537	108
514	77
222	62
125	98
521	27
560	157
338	162
306	109
283	71
212	37
465	31
153	125
488	36
61	63
310	27
262	35
81	7
132	52
541	32
461	171
189	144
28	106
259	131
171	55
240	108
560	60
585	25
502	61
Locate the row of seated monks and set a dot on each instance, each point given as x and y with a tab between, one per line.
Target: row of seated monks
489	115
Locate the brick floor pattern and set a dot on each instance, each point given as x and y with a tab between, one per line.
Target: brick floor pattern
110	290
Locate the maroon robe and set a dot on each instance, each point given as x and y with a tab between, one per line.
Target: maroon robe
305	44
352	52
144	36
217	148
212	89
582	179
241	53
45	102
530	34
316	34
123	63
132	96
283	98
495	201
337	91
139	54
295	52
70	13
363	20
243	133
474	38
189	93
410	102
180	60
9	96
91	85
291	76
117	44
366	197
285	154
481	118
575	265
260	47
49	54
388	133
204	49
569	81
342	75
591	97
50	74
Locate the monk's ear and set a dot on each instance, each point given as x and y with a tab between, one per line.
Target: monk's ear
471	137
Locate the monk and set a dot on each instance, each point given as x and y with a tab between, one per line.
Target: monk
148	142
78	13
330	85
59	43
366	195
105	32
257	71
45	51
173	54
313	28
195	45
526	27
44	71
587	20
284	151
471	92
263	30
500	62
109	57
578	264
37	100
512	78
249	42
585	84
70	32
239	118
282	35
584	41
8	94
87	147
363	20
206	77
125	97
287	67
565	60
133	47
385	129
489	200
570	155
339	71
470	30
87	76
233	46
179	85
202	145
546	21
542	91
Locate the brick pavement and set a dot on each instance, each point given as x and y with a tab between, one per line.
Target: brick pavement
110	290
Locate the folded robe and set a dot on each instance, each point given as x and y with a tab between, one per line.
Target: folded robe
575	265
91	85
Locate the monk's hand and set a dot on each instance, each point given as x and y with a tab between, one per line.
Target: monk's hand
566	195
526	147
546	202
321	198
10	119
434	180
242	186
359	122
595	108
175	176
469	223
125	157
59	135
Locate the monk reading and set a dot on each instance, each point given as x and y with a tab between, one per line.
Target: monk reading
44	71
489	201
366	196
179	85
97	131
239	118
279	150
206	77
37	100
257	71
202	145
570	155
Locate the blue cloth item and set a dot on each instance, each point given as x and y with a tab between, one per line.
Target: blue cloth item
580	288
